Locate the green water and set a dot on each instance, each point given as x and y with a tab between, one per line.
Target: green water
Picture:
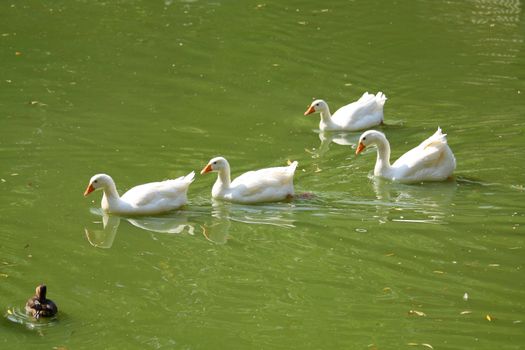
148	90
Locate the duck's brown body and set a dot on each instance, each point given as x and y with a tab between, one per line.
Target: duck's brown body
38	306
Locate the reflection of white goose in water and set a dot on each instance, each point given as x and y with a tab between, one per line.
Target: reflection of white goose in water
104	238
429	203
223	214
340	138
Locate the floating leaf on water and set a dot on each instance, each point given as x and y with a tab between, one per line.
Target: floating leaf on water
317	169
465	296
4	275
412	344
416	312
18	53
493	265
489	318
390	254
9	312
427	345
387	290
439	272
466	312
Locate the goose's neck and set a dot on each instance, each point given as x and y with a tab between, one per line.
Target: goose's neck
223	178
383	157
111	198
326	115
326	119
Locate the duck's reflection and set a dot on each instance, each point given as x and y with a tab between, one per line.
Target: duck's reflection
424	203
340	138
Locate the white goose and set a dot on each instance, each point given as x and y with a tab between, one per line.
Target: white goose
264	185
432	160
146	199
361	114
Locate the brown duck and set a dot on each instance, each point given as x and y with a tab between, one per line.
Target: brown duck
38	306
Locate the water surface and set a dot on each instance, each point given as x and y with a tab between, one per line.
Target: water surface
147	90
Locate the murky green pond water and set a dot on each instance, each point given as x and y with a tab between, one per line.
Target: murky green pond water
148	90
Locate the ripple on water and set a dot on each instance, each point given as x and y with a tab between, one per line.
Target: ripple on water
17	315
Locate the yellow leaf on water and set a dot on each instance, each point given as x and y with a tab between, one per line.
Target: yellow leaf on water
466	312
387	289
412	344
427	345
439	272
9	312
488	317
418	313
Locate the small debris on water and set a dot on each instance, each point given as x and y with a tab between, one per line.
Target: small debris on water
417	313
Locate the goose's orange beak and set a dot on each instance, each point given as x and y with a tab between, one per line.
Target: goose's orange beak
360	148
206	169
89	189
310	110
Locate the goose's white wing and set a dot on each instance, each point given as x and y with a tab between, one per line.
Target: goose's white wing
158	192
432	159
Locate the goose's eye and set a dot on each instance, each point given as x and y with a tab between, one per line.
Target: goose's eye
317	104
95	181
214	162
364	138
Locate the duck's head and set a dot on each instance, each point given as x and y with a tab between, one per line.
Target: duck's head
98	181
370	137
40	292
215	164
316	106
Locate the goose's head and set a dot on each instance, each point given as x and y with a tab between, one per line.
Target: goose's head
370	137
98	181
215	164
317	106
